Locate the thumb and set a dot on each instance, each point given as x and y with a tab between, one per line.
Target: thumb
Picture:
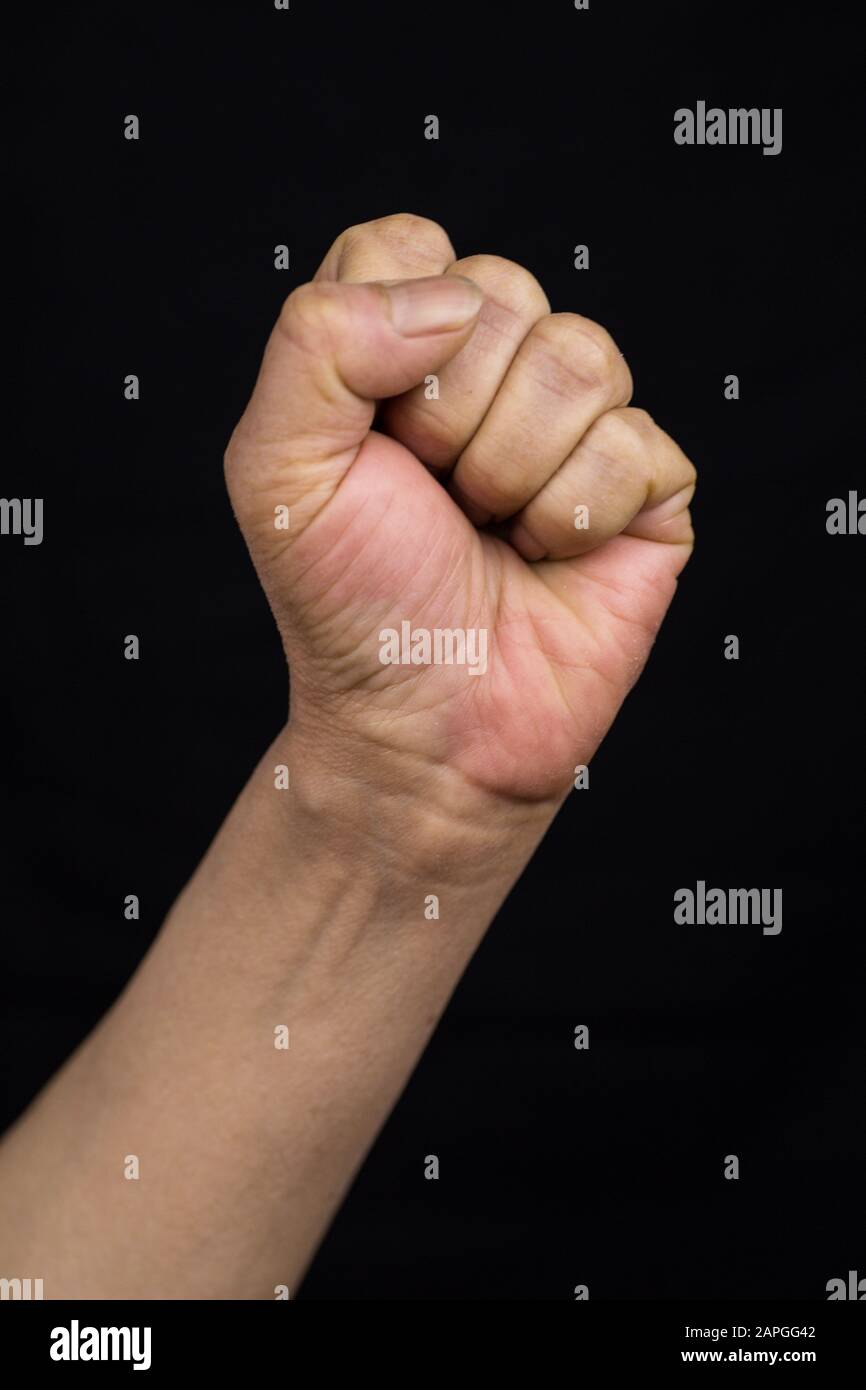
336	349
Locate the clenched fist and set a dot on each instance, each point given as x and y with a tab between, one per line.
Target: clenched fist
507	497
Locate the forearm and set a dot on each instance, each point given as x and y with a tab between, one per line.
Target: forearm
312	913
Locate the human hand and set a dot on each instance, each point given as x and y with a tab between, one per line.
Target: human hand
531	424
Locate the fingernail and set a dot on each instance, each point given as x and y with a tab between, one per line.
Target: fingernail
440	304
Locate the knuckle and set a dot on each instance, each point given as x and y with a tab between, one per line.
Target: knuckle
297	307
308	312
413	239
621	435
632	432
678	465
641	421
578	353
512	286
633	447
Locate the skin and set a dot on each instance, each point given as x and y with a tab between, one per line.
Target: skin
309	909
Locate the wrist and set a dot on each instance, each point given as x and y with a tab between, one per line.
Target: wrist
414	818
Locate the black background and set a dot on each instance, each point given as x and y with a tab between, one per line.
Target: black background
260	127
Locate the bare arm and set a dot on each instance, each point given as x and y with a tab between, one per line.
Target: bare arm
344	907
308	914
